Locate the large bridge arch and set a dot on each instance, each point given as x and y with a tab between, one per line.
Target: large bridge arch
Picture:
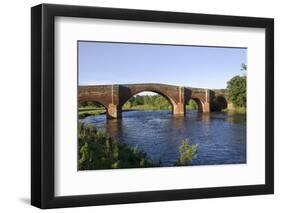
174	94
169	99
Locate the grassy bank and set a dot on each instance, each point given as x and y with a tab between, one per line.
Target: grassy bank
236	110
146	107
90	111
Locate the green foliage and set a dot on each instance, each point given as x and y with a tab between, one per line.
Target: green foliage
147	102
89	104
192	105
97	150
237	88
188	152
153	102
90	110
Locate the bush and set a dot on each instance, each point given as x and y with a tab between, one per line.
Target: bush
188	152
192	105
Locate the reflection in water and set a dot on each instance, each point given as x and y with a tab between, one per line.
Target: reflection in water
177	122
232	118
221	137
204	117
113	127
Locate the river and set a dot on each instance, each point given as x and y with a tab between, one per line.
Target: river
221	137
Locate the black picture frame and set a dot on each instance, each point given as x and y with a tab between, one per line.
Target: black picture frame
43	111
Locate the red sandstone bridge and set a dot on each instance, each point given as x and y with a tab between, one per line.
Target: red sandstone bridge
113	97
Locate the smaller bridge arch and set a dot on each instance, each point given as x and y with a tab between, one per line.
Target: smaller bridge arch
201	96
219	100
219	103
199	103
89	99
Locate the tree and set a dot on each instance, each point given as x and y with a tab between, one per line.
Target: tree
237	88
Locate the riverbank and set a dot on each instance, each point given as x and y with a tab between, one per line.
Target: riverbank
236	110
90	111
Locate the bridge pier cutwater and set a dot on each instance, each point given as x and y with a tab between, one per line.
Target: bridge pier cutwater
113	97
114	112
207	105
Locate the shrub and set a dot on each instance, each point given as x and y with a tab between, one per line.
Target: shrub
188	152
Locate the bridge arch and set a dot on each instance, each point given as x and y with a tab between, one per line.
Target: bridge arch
170	93
156	92
81	100
219	103
169	99
222	102
199	103
174	94
93	101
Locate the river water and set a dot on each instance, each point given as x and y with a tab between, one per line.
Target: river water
221	137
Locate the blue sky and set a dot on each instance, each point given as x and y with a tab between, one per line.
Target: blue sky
124	63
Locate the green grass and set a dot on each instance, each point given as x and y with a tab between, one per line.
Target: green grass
155	107
146	107
190	107
237	110
90	111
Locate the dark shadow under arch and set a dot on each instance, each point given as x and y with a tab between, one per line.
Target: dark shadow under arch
219	103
